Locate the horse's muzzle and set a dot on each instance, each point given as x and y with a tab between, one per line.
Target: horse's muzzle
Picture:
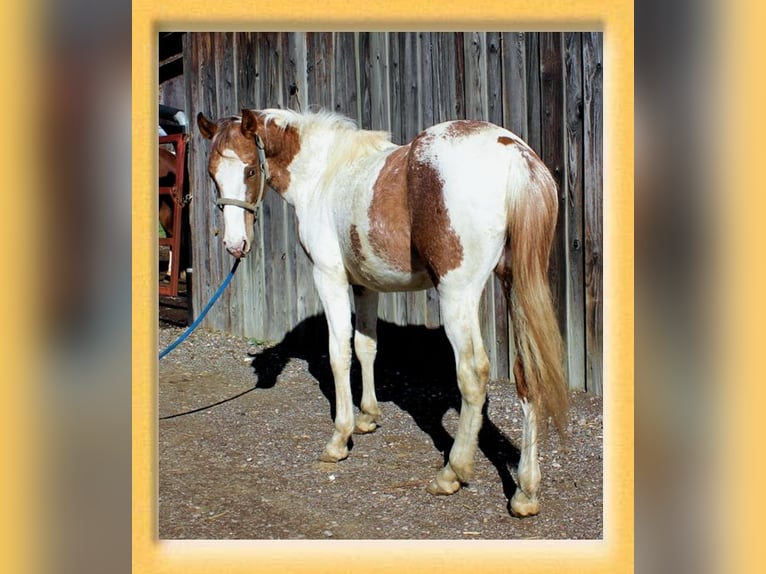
239	250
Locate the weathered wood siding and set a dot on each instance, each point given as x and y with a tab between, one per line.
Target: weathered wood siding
546	87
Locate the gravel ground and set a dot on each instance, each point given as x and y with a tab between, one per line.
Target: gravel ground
242	425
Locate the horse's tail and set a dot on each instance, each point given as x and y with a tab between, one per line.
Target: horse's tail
523	270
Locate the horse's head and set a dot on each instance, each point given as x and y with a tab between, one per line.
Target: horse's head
238	166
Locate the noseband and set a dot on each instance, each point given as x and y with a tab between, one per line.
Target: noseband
264	167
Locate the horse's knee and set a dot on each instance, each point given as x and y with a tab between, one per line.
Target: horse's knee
365	347
482	367
473	375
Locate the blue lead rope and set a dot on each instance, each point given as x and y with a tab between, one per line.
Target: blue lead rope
198	320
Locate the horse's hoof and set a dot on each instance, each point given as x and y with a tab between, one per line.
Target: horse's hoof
333	455
365	423
443	488
522	506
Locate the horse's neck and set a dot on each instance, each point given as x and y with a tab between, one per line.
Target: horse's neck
325	158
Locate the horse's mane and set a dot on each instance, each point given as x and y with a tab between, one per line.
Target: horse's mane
309	120
324	120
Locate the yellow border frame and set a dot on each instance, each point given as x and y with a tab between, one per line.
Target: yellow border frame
612	554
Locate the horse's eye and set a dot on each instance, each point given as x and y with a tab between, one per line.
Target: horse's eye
251	172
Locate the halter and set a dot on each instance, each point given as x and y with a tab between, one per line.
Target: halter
264	167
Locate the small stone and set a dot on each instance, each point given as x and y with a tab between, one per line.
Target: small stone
327	533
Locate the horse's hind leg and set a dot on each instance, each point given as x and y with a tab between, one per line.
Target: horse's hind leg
524	501
365	346
461	322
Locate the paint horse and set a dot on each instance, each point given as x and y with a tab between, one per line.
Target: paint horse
464	199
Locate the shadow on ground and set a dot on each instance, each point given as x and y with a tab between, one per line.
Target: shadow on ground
414	369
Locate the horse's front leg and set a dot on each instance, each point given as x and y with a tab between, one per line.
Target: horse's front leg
333	291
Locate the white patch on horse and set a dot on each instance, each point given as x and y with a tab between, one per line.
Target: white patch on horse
230	178
474	171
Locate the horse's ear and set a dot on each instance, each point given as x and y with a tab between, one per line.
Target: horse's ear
249	123
206	127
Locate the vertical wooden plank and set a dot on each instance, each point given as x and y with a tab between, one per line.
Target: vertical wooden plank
246	71
426	80
409	83
574	213
195	167
552	142
459	43
533	94
272	279
344	77
380	118
272	70
365	57
395	86
593	197
475	74
294	85
225	73
319	61
445	69
494	78
210	220
515	83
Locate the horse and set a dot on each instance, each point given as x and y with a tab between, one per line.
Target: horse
167	177
462	200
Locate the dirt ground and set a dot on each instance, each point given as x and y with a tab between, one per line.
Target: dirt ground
242	425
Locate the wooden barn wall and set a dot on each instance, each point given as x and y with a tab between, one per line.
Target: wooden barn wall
546	87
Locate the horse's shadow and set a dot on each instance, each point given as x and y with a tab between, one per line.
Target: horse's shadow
414	369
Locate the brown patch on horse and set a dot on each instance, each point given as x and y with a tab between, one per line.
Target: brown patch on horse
505	140
389	213
459	128
356	244
281	145
166	166
521	383
166	169
432	234
166	215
